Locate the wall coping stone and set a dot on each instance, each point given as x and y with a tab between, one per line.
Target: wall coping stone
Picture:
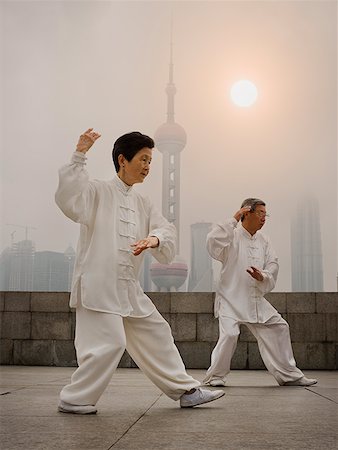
2	301
161	300
17	301
327	302
50	301
192	302
277	300
300	302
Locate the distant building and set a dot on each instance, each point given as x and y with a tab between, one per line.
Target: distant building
53	271
145	279
21	266
5	268
201	274
24	269
306	248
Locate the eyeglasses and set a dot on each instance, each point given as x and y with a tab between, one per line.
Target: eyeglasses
261	214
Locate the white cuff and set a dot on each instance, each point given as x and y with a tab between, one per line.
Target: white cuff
79	158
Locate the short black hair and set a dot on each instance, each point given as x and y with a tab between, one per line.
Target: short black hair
253	202
128	145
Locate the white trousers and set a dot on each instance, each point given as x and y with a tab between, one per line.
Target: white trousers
274	343
100	341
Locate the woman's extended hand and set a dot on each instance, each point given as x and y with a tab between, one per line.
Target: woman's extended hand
86	140
143	244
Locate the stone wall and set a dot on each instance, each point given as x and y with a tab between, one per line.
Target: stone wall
37	328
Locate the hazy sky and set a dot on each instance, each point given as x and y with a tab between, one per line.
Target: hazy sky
70	65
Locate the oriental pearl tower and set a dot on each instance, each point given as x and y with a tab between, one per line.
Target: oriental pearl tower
170	139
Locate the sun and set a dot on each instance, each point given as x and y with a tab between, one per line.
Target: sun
244	93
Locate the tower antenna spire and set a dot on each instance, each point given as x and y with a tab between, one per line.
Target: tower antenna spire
171	65
171	88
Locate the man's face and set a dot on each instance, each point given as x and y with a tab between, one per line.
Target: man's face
256	219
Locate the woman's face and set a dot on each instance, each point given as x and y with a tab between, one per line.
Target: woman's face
136	170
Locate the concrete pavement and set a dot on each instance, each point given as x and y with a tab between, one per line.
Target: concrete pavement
133	414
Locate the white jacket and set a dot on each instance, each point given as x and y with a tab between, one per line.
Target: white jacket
238	295
112	216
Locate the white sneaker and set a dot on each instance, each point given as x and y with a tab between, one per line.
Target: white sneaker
76	409
217	382
301	382
199	397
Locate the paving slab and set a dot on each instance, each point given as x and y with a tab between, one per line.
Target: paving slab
133	414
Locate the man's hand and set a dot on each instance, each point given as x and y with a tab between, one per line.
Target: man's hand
86	140
239	213
255	273
143	244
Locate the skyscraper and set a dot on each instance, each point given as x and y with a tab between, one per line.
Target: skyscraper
306	249
22	266
53	271
5	268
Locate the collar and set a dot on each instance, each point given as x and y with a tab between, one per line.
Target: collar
246	233
121	186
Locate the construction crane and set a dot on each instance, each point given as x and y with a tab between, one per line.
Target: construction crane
26	227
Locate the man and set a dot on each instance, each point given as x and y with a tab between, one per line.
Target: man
112	311
249	271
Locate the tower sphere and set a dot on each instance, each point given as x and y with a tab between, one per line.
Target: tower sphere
170	137
169	277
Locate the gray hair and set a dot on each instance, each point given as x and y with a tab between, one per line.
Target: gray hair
253	202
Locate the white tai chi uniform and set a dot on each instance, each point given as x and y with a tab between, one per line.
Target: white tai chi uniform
112	311
240	300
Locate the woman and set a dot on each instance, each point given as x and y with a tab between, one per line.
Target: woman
112	311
